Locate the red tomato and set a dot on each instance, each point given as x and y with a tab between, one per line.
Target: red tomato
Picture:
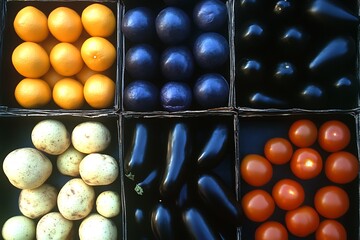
271	231
303	133
302	221
341	167
331	230
256	170
278	150
331	202
306	163
288	194
258	205
333	136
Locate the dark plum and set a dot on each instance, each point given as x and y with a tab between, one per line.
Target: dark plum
210	15
250	71
138	24
211	90
173	25
343	91
293	40
141	95
142	61
211	50
283	9
312	96
252	35
285	75
177	63
175	96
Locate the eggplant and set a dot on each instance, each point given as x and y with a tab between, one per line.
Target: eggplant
218	199
162	222
215	147
137	160
149	183
177	159
335	57
198	226
262	100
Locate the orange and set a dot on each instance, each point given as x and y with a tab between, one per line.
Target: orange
98	20
66	59
99	91
49	43
65	24
32	93
98	53
84	74
68	93
30	24
51	77
30	60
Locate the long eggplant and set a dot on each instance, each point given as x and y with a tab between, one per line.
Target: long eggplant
177	159
137	159
149	183
140	224
198	226
217	198
214	148
162	222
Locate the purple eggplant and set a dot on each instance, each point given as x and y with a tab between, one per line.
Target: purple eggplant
149	183
137	160
198	226
214	148
217	196
177	159
162	222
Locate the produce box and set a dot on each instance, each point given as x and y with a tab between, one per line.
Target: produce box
296	55
185	56
64	61
196	106
18	135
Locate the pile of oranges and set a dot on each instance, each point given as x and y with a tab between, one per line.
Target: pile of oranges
64	57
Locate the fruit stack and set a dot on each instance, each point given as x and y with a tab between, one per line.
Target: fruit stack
54	50
293	54
176	56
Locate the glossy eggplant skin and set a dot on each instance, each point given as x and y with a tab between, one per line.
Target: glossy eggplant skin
149	183
197	225
162	222
177	159
217	197
215	147
136	162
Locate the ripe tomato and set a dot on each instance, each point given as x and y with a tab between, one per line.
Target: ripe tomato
333	136
288	194
271	231
341	167
331	202
302	221
278	150
306	163
256	170
303	133
258	205
331	230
